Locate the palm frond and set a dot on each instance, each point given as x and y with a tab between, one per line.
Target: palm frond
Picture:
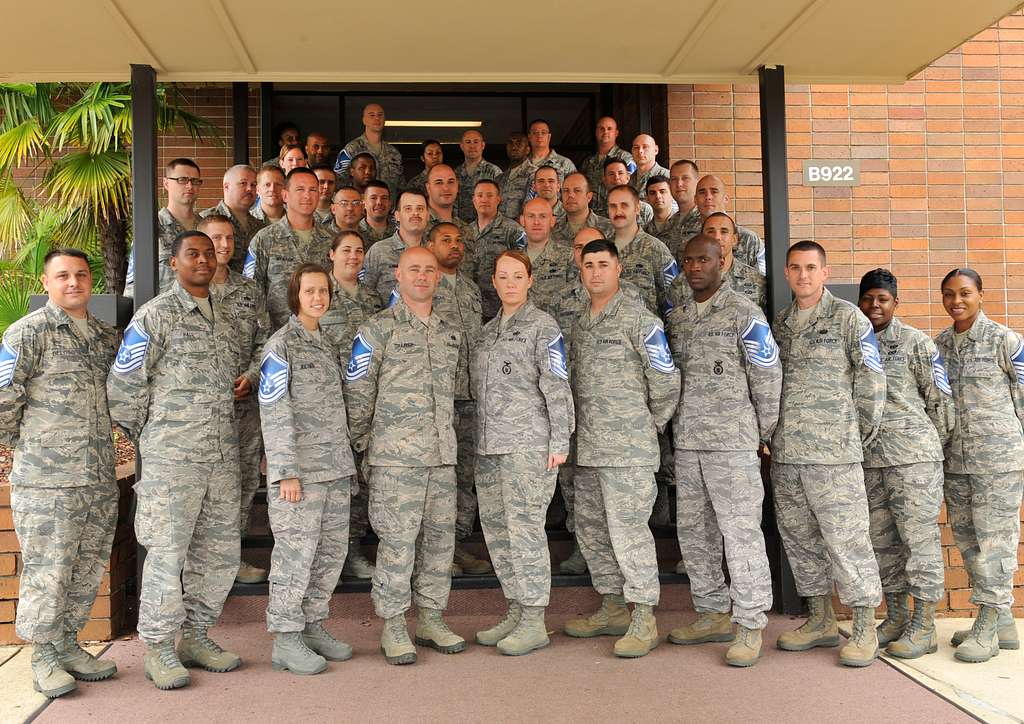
15	215
171	112
21	142
15	290
99	181
23	101
77	229
89	122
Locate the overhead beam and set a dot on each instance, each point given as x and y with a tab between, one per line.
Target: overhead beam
763	56
234	38
142	48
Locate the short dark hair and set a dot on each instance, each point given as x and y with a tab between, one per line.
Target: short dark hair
212	219
519	256
376	183
344	235
181	162
364	154
546	167
722	215
703	238
808	245
280	128
655	180
428	143
535	121
963	272
187	234
345	187
612	160
490	181
597	246
625	187
878	279
582	175
686	162
434	232
415	192
322	167
295	172
64	251
296	282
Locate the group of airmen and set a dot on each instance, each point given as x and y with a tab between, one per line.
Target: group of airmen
492	337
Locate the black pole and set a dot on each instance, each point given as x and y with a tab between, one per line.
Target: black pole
775	181
240	121
269	149
144	201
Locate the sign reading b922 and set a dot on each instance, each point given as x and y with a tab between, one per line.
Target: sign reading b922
832	172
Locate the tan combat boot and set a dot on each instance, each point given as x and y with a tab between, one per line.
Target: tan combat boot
357	565
1006	629
507	624
919	637
612	619
395	643
80	663
163	668
432	631
897	618
470	564
746	650
820	628
320	640
291	653
983	642
48	676
642	635
531	633
575	564
862	648
196	648
248	573
709	626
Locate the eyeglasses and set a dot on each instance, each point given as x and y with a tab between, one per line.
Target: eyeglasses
185	180
345	204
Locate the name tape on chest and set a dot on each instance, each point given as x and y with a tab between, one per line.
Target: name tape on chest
658	352
762	350
556	358
359	363
8	361
132	352
274	375
940	376
249	268
869	351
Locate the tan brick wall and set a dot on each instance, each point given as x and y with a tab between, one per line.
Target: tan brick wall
942	185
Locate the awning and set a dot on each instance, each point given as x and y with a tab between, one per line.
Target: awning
531	41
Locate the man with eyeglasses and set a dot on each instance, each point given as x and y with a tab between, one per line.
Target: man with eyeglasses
346	211
517	182
239	196
181	182
324	214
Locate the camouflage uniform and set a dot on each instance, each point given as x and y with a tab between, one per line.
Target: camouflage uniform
53	412
468	233
246	313
745	280
638	179
565	232
257	212
732	380
626	388
307	440
244	229
380	265
274	254
400	391
339	324
552	272
171	397
833	391
517	182
326	218
647	263
525	413
467	185
985	455
418	182
389	163
749	248
371	236
646	212
498	236
593	169
679	229
459	307
903	465
168	227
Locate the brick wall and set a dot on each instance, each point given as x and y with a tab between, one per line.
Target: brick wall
942	185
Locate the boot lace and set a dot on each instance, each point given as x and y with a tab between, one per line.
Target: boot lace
49	654
397	627
167	656
202	639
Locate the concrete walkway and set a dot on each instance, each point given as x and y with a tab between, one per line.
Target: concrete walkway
572	680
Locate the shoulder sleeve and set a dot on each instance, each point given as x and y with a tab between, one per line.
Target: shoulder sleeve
1014	367
933	385
360	387
129	380
660	372
277	414
18	359
553	379
763	368
868	374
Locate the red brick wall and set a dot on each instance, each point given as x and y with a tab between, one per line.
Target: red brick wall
942	184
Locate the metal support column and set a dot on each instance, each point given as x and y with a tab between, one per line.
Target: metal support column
775	181
240	122
144	200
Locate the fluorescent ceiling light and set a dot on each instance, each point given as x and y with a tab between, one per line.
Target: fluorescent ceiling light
433	124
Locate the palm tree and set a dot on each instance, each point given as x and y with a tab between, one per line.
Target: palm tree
81	135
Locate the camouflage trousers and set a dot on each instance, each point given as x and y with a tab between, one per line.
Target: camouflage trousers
250	451
984	512
613	506
65	536
412	510
465	434
359	512
719	496
310	544
822	513
514	491
904	503
187	519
